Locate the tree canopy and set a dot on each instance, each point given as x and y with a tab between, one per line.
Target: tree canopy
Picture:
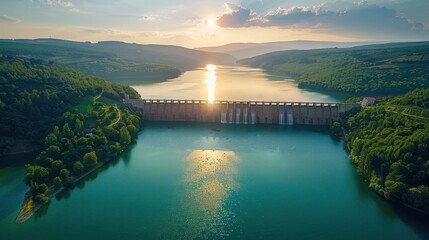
367	70
390	146
59	106
34	94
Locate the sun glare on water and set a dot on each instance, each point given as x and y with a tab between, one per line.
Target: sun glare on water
210	81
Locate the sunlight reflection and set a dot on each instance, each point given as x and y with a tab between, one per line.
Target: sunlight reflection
210	180
210	81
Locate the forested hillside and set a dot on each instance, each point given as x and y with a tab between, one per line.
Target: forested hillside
104	64
34	94
79	119
390	145
126	63
366	70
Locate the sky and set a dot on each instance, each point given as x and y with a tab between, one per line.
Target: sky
192	23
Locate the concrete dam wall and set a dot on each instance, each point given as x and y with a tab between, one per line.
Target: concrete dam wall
239	112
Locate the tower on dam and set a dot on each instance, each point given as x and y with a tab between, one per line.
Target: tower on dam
240	112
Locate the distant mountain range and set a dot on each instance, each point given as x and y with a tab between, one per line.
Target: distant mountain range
247	50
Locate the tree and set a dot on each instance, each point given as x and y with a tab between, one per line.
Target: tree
336	129
53	152
79	125
42	188
57	181
41	198
115	149
90	160
78	168
132	129
67	132
51	139
124	136
64	174
56	132
56	166
36	174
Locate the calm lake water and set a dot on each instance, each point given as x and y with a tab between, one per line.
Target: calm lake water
205	181
231	83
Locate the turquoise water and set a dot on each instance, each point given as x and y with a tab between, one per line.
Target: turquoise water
202	181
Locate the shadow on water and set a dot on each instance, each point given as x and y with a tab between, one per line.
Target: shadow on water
9	200
41	212
17	159
12	187
417	221
125	157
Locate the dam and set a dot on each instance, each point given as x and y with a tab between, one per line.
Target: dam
240	112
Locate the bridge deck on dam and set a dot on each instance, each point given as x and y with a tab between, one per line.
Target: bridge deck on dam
240	112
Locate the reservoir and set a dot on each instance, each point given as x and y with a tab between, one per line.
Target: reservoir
216	181
203	181
232	83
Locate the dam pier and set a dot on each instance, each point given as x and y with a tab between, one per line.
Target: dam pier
240	112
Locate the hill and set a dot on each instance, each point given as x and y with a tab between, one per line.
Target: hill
115	61
389	144
381	69
77	119
34	95
247	50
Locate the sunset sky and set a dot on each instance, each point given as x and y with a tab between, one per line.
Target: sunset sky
213	22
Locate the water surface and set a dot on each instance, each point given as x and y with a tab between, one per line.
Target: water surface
205	181
231	83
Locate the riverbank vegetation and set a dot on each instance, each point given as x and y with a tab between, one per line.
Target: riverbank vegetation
388	69
78	118
389	144
79	143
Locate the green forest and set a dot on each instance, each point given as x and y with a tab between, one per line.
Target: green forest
34	94
78	118
389	143
367	70
106	65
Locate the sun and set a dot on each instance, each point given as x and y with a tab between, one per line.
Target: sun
211	23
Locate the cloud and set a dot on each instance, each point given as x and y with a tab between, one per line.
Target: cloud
290	16
354	19
5	18
237	16
59	3
69	6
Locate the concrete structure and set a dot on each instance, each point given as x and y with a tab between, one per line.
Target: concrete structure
369	101
248	112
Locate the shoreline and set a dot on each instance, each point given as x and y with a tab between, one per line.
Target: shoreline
29	207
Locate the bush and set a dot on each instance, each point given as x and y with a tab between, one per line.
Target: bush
41	198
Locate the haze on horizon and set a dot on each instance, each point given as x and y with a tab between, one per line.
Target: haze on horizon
208	23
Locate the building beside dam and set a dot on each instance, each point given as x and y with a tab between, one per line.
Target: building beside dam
240	112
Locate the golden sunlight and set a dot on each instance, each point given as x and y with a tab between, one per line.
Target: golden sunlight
212	173
211	23
210	81
209	181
